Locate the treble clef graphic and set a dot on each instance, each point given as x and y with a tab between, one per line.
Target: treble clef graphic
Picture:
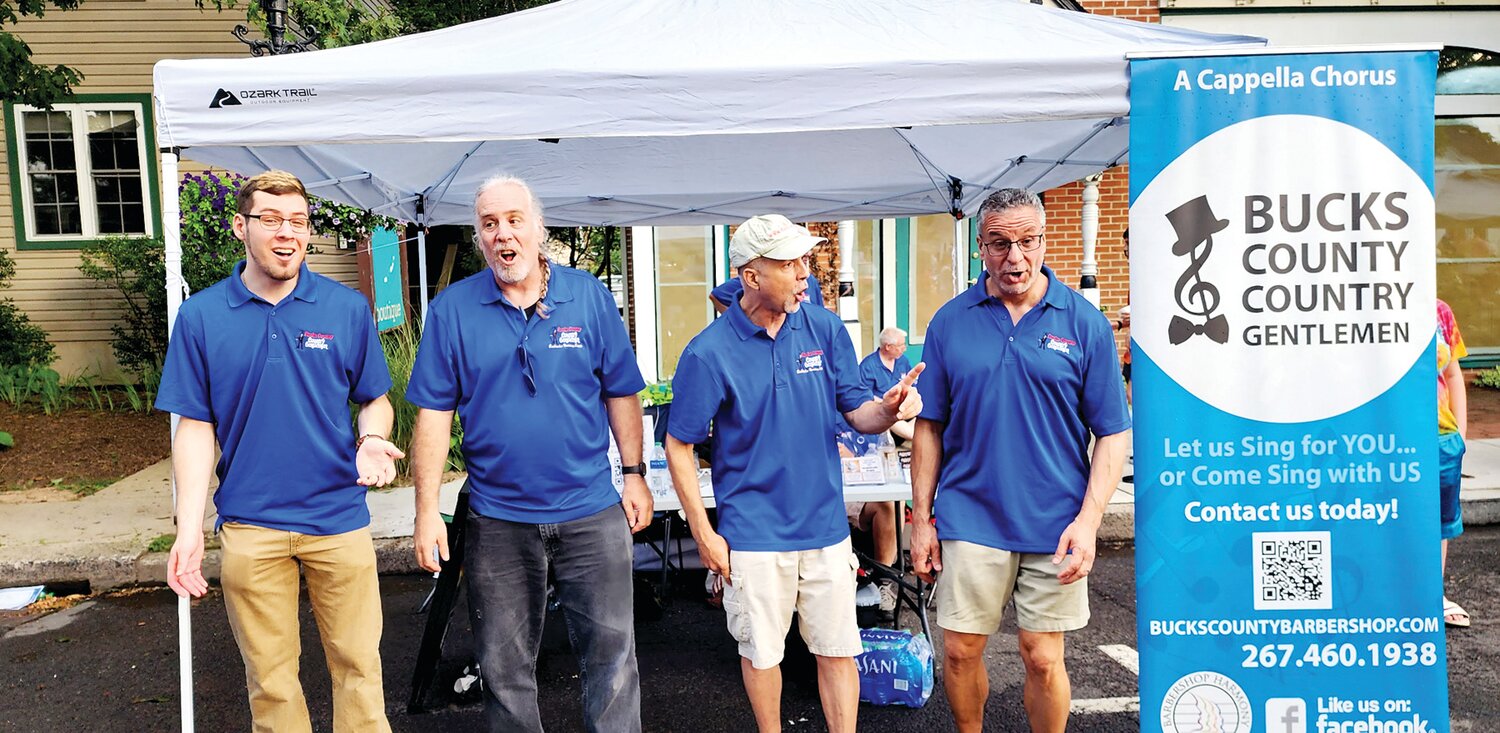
1195	224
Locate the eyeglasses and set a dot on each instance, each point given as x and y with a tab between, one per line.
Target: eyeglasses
527	371
273	222
1001	247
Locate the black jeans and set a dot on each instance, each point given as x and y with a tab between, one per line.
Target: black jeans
506	566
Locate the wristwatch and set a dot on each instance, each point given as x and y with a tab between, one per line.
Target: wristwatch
638	469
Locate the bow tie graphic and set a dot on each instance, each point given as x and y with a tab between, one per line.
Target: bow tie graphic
1181	329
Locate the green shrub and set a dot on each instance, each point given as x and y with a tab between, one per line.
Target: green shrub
400	347
137	267
21	341
1488	378
656	394
24	383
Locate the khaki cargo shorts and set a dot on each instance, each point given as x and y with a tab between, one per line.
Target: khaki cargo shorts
765	588
978	581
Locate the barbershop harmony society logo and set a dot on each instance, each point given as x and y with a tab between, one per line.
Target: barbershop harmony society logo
1205	702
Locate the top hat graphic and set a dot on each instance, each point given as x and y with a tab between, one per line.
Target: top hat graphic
1194	222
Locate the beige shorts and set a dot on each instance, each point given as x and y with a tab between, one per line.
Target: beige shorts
766	587
978	581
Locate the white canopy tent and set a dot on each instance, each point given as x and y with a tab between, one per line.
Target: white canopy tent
684	111
676	112
681	111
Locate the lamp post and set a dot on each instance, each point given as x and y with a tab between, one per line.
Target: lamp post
275	11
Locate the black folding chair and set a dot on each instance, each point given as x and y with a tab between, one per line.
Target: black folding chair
439	608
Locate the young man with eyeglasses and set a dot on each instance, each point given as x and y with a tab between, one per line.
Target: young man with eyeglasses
535	360
772	377
1021	370
265	363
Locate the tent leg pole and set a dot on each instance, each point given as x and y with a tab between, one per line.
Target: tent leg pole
171	227
422	267
848	304
1088	284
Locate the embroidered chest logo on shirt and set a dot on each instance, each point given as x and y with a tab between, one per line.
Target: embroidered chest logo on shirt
566	337
314	340
1058	343
810	361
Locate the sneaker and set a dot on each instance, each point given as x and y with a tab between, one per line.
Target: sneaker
468	680
888	599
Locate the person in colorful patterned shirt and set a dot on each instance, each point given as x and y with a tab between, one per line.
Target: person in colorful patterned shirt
1453	425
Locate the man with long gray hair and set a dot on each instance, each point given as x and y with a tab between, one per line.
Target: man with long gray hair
536	361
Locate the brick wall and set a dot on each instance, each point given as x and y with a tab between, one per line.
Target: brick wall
1145	11
1065	237
825	259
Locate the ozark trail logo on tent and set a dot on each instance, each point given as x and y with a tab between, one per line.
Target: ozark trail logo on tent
286	95
224	98
1195	225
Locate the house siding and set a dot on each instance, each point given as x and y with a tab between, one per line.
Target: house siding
114	44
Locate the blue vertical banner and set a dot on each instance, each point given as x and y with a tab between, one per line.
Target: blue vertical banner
1284	321
386	281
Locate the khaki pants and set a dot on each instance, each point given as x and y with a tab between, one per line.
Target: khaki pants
259	577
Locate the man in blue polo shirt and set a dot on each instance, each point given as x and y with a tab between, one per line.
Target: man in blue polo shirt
884	367
772	377
536	361
730	290
1020	371
266	362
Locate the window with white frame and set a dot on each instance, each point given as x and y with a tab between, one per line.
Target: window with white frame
82	170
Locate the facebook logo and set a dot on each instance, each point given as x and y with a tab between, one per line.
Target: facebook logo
1286	715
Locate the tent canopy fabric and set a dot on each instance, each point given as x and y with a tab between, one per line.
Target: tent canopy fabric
685	111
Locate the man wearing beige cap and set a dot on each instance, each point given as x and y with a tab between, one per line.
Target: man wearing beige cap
772	378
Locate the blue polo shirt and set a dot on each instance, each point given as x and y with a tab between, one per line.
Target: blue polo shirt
534	456
730	290
1018	402
276	382
773	404
879	379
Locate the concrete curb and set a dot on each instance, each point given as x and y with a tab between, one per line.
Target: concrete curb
393	555
113	562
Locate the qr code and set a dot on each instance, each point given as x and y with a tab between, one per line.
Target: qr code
1292	571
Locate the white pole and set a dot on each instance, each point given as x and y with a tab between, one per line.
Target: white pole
643	283
1088	283
422	258
848	304
171	227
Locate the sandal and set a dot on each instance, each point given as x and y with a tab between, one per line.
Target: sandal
1454	615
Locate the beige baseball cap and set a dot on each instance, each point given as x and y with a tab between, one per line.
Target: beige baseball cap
770	235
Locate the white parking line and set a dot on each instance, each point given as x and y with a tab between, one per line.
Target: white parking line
1126	655
1127	658
1106	705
